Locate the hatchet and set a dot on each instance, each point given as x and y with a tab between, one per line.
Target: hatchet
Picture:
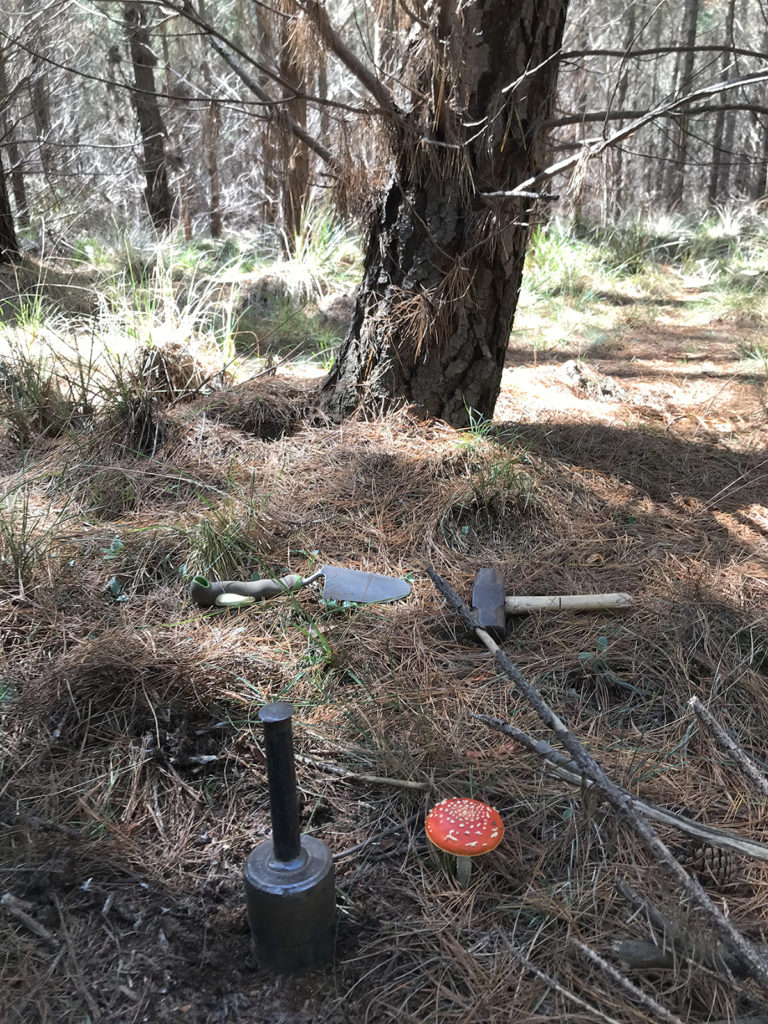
491	607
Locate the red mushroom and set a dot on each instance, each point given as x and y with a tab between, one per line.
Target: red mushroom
465	828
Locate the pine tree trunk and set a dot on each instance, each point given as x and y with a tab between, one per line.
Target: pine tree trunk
211	130
444	261
720	168
683	80
9	246
18	185
157	193
295	185
615	206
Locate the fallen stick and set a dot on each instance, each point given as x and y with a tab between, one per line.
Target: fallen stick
643	955
14	907
743	762
678	943
622	801
372	840
659	1012
565	768
374	780
557	987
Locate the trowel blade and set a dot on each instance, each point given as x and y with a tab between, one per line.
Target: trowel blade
363	587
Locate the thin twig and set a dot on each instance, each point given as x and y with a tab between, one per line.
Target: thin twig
374	780
14	907
659	1012
622	801
743	762
377	838
682	944
556	986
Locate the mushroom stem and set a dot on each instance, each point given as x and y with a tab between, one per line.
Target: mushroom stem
463	871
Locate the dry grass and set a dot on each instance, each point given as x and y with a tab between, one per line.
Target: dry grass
134	781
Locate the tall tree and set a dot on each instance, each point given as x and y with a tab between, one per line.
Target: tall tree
683	80
445	252
720	167
295	186
157	193
9	246
8	129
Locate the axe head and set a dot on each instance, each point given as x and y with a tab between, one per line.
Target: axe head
488	602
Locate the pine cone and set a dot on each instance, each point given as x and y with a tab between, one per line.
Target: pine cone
713	866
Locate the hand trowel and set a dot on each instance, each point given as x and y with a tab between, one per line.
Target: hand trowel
340	584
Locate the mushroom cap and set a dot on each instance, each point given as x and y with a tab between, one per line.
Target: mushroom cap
465	827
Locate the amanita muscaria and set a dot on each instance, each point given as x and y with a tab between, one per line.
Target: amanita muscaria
466	828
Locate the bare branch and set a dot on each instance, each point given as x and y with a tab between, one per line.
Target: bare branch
566	769
659	1012
333	42
746	766
557	987
280	115
661	51
593	147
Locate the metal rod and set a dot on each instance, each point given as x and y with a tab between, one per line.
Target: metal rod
281	774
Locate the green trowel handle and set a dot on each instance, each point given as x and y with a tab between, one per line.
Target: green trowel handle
205	593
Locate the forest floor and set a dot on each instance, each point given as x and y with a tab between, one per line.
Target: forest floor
133	773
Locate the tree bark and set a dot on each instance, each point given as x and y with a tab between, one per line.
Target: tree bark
720	169
9	246
444	262
157	193
295	184
211	130
683	81
8	127
616	204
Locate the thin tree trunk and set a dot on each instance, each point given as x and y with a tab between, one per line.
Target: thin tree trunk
296	179
9	246
728	184
7	127
211	130
655	149
617	192
40	93
759	176
444	263
157	192
177	151
683	80
720	167
270	155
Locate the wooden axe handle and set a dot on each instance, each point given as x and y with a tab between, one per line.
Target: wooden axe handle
568	602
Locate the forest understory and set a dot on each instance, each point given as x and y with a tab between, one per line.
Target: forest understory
629	452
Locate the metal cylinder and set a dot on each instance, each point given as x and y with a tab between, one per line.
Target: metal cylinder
281	775
292	913
289	878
